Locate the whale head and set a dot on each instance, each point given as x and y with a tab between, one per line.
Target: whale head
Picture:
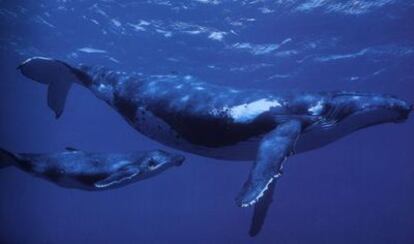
364	110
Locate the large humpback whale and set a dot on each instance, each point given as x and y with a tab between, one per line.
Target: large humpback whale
92	171
221	122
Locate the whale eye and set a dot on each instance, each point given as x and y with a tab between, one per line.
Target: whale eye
152	164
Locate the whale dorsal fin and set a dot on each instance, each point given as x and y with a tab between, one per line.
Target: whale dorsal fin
273	150
118	177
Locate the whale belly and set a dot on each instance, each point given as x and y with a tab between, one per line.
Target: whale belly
242	151
157	129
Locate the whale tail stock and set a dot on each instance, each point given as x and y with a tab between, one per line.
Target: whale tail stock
57	75
7	158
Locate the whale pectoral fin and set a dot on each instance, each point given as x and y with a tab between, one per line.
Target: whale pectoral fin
118	177
274	149
260	211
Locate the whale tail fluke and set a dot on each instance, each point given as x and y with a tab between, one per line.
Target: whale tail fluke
7	158
57	75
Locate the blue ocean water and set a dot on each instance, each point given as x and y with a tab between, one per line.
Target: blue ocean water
356	190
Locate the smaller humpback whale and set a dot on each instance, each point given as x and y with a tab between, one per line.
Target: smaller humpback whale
92	171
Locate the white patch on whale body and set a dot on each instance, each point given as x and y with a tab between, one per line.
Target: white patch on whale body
102	87
247	112
316	109
105	92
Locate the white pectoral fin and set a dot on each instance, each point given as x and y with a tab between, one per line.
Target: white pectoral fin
118	177
274	149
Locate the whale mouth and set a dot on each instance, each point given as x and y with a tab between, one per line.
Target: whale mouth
178	159
404	115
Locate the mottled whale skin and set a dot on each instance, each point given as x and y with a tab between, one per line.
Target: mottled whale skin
221	122
92	171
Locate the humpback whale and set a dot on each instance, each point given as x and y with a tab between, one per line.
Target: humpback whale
92	171
220	122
